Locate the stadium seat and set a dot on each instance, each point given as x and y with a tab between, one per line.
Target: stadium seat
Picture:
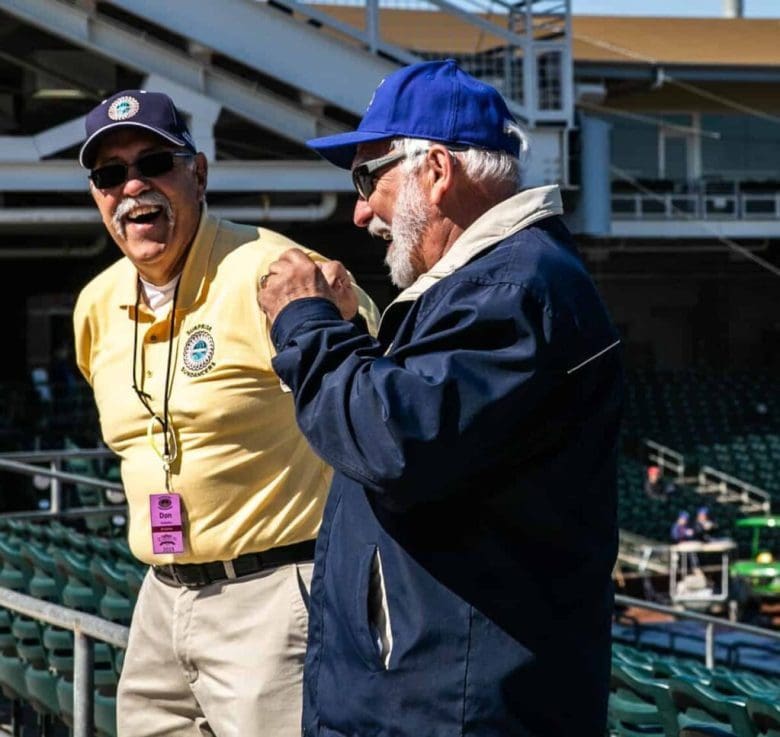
765	715
632	717
660	714
87	495
745	684
14	575
45	583
105	715
697	703
704	730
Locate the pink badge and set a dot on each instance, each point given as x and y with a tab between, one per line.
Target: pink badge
166	521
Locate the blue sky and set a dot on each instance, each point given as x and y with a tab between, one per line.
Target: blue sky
711	8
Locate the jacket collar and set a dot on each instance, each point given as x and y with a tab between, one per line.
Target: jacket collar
499	222
193	278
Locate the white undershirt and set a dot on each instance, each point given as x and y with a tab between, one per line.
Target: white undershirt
157	297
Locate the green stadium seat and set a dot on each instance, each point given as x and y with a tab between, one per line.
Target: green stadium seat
765	715
105	715
88	495
744	684
698	703
14	575
631	717
654	692
703	730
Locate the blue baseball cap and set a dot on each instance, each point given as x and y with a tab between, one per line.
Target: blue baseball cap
152	111
433	100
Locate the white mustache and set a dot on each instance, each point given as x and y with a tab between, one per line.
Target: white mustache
378	228
148	199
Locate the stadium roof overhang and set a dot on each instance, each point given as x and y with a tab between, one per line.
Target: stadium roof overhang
250	120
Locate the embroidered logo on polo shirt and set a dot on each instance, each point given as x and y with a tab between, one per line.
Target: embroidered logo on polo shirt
123	108
198	354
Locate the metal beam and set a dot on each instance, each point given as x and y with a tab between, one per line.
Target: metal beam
37	218
649	72
127	47
224	176
274	43
684	228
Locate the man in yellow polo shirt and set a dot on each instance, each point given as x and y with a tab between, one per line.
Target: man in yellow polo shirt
225	495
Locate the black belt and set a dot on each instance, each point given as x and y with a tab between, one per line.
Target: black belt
194	575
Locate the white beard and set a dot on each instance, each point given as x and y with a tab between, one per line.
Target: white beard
408	227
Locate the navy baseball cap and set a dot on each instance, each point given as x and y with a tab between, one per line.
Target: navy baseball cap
152	111
433	100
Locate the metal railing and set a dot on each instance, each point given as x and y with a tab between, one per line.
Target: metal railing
23	462
665	458
643	553
696	206
725	488
730	490
86	629
707	619
521	48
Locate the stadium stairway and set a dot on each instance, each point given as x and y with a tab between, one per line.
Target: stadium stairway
727	420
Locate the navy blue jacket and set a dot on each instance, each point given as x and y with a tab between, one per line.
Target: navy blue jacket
474	447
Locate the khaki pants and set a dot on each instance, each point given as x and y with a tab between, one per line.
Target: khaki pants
225	660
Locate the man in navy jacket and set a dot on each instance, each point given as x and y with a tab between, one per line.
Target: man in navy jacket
462	581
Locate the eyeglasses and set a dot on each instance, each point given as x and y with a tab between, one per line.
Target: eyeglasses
149	165
364	175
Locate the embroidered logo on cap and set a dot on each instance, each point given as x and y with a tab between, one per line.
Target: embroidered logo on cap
198	356
123	108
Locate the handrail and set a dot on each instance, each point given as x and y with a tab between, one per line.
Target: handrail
69	513
710	622
666	457
42	456
711	480
58	476
75	478
86	628
60	616
529	32
637	550
696	205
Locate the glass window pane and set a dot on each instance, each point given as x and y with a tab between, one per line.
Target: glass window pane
749	147
634	148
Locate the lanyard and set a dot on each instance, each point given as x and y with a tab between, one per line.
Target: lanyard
170	450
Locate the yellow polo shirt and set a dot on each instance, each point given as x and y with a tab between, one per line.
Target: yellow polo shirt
247	477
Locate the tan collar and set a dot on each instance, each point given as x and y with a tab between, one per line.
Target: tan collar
499	222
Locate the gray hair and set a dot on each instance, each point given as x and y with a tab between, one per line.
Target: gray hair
497	169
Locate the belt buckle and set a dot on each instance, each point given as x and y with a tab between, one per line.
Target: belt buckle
200	576
195	578
168	571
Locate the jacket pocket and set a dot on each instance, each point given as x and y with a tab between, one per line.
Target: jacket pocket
372	616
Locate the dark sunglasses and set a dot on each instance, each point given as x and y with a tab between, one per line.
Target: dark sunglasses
149	165
364	175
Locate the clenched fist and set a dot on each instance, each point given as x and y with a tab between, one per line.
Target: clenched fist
295	276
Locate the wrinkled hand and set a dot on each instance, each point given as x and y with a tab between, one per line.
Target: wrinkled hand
295	276
341	285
